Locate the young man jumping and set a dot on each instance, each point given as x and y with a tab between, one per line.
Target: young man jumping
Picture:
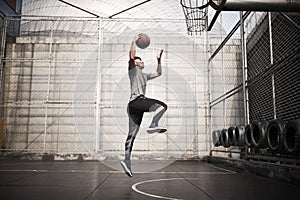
138	103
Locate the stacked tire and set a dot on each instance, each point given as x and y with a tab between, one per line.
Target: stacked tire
275	136
291	137
233	136
279	136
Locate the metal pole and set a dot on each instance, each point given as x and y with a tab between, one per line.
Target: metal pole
229	35
209	120
48	89
258	5
244	66
98	90
2	54
244	69
2	51
272	62
223	75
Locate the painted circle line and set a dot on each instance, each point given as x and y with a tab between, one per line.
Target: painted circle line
134	187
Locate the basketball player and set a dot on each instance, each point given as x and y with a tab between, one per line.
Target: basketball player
138	103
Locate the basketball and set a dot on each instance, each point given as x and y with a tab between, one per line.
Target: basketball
143	41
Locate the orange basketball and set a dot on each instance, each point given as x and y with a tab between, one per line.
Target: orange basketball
143	41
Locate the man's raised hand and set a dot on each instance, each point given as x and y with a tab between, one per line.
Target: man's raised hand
159	54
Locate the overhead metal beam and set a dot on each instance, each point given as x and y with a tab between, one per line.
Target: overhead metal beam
128	9
219	9
258	5
79	8
245	15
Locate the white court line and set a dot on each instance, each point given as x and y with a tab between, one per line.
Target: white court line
220	168
134	187
23	170
38	163
99	171
113	172
3	164
58	171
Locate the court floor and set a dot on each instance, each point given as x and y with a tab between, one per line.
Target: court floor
92	180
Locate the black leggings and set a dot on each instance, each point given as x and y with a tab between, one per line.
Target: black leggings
136	109
138	106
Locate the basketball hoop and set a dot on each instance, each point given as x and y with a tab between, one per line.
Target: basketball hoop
195	12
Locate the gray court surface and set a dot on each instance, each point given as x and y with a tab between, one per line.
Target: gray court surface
92	180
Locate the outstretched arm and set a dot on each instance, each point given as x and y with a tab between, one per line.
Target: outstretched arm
158	69
132	52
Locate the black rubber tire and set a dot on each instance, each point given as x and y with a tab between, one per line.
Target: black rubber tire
224	138
275	135
259	134
248	133
216	138
231	136
240	135
291	137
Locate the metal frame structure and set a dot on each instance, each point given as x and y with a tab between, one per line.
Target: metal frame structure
250	82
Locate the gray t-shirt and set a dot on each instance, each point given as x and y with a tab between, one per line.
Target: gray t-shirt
138	82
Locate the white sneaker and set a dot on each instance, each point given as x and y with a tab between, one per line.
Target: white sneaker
156	129
126	166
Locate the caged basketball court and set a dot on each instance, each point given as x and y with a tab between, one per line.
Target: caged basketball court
230	78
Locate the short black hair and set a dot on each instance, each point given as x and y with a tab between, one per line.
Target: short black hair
136	57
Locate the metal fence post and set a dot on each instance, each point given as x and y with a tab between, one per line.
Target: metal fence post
272	62
98	90
244	75
2	51
48	87
244	67
209	118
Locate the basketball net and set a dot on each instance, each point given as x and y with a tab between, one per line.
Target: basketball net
195	12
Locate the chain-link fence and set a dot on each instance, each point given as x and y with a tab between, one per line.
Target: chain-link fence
67	87
273	63
264	81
